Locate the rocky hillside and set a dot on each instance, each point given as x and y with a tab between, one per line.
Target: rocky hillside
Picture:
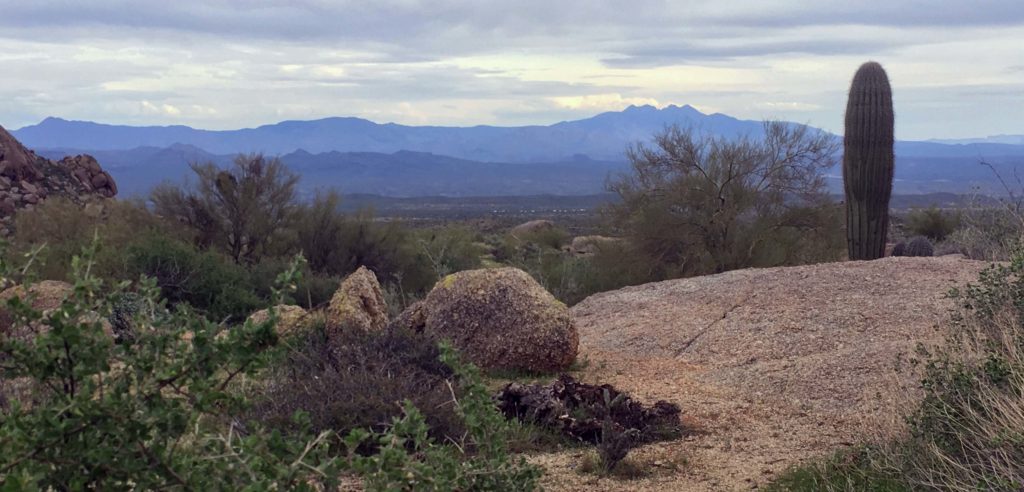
27	179
770	366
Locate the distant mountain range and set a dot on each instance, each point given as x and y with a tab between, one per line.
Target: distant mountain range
570	158
399	174
997	139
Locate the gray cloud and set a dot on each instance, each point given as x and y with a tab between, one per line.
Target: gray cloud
225	63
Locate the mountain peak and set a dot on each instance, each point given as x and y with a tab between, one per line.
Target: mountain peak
646	108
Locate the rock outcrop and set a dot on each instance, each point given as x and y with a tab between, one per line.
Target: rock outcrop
499	319
590	245
533	226
290	319
775	366
27	179
358	304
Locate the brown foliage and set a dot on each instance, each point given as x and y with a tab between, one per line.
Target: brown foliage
240	209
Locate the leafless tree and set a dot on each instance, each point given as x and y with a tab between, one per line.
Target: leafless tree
709	204
240	209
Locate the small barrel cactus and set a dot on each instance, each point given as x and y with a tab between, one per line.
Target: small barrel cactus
920	246
122	316
900	249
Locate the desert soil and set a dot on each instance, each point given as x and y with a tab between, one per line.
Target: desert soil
772	367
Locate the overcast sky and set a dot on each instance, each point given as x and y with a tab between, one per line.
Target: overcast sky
957	67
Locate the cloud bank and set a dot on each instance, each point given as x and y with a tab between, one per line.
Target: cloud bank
955	66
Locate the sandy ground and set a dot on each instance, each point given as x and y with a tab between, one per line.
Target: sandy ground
770	366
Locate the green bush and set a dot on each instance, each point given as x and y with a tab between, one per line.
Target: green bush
449	249
62	229
986	233
151	413
312	290
206	281
159	410
863	469
408	459
933	223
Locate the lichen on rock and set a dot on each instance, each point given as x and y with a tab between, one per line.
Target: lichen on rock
499	319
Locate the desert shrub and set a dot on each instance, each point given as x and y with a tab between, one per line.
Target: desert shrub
700	204
151	413
861	469
240	210
318	229
572	278
359	380
626	469
205	280
450	249
549	237
386	248
932	222
968	428
312	289
408	459
986	233
62	229
160	410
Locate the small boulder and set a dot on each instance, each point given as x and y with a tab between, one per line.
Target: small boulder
414	319
43	296
590	245
46	295
533	226
358	304
290	319
501	319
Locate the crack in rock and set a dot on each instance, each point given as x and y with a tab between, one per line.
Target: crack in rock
686	345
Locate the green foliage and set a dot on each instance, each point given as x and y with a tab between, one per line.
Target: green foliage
152	412
932	222
450	249
313	289
408	459
66	228
206	281
987	233
848	471
868	162
696	204
571	278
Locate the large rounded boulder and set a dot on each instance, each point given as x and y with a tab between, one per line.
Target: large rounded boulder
290	319
358	304
500	319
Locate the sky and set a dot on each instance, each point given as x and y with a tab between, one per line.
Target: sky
956	67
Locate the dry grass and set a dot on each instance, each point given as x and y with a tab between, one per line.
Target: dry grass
979	418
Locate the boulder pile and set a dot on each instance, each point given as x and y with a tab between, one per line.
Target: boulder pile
27	179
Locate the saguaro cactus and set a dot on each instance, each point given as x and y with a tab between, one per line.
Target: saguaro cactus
868	162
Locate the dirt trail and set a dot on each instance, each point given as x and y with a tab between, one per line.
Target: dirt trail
773	366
